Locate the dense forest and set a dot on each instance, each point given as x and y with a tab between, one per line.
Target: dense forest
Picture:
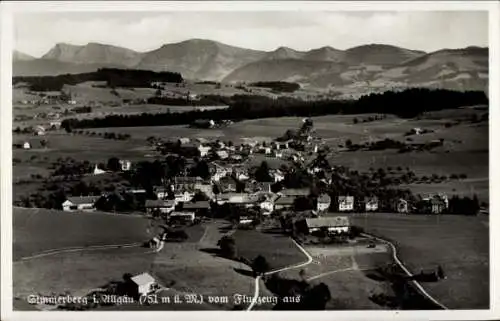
406	104
113	78
278	86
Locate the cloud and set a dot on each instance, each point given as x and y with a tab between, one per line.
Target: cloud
36	33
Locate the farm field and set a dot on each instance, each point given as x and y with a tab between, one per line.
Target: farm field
282	253
460	244
37	230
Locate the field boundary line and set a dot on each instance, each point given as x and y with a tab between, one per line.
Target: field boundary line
395	257
286	268
77	249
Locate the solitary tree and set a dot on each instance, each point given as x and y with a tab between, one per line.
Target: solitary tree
260	265
262	173
227	246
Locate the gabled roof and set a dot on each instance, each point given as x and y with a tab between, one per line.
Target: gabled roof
196	205
346	198
77	200
335	221
159	203
142	279
296	192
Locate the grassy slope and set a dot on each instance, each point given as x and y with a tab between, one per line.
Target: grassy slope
459	244
279	251
36	230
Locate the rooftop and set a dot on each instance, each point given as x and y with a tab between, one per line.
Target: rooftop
83	199
335	221
159	203
142	279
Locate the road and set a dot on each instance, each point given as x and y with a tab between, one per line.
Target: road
290	267
401	265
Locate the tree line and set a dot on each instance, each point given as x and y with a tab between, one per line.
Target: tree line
407	104
113	77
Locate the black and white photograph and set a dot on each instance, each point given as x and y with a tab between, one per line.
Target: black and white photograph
239	158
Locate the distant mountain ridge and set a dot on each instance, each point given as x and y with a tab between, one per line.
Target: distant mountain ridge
366	65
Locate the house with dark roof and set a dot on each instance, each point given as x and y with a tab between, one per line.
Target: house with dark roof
199	207
80	203
332	224
159	206
346	203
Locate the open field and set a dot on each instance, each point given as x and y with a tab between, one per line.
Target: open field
460	244
280	251
37	230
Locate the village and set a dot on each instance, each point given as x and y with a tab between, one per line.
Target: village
231	188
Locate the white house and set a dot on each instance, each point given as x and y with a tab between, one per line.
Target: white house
98	171
267	206
278	176
80	203
324	202
245	220
145	283
222	154
183	216
204	150
346	203
125	165
371	204
27	145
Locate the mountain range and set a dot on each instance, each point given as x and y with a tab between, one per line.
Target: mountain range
372	65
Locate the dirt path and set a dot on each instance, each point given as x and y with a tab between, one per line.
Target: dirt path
290	267
401	265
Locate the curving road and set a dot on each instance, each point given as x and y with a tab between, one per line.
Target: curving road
257	279
401	265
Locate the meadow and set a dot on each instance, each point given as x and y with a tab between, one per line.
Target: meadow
460	244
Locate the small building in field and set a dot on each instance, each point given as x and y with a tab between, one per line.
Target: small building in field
26	145
244	220
324	202
144	283
438	205
80	203
333	225
159	206
125	165
371	204
346	203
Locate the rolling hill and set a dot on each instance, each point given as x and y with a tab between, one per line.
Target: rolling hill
199	59
366	66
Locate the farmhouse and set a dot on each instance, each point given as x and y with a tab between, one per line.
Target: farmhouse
235	198
324	202
371	204
159	206
80	203
334	225
186	183
204	150
183	196
227	185
437	205
144	284
26	145
346	203
222	154
245	220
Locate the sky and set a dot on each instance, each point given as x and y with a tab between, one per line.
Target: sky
36	33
